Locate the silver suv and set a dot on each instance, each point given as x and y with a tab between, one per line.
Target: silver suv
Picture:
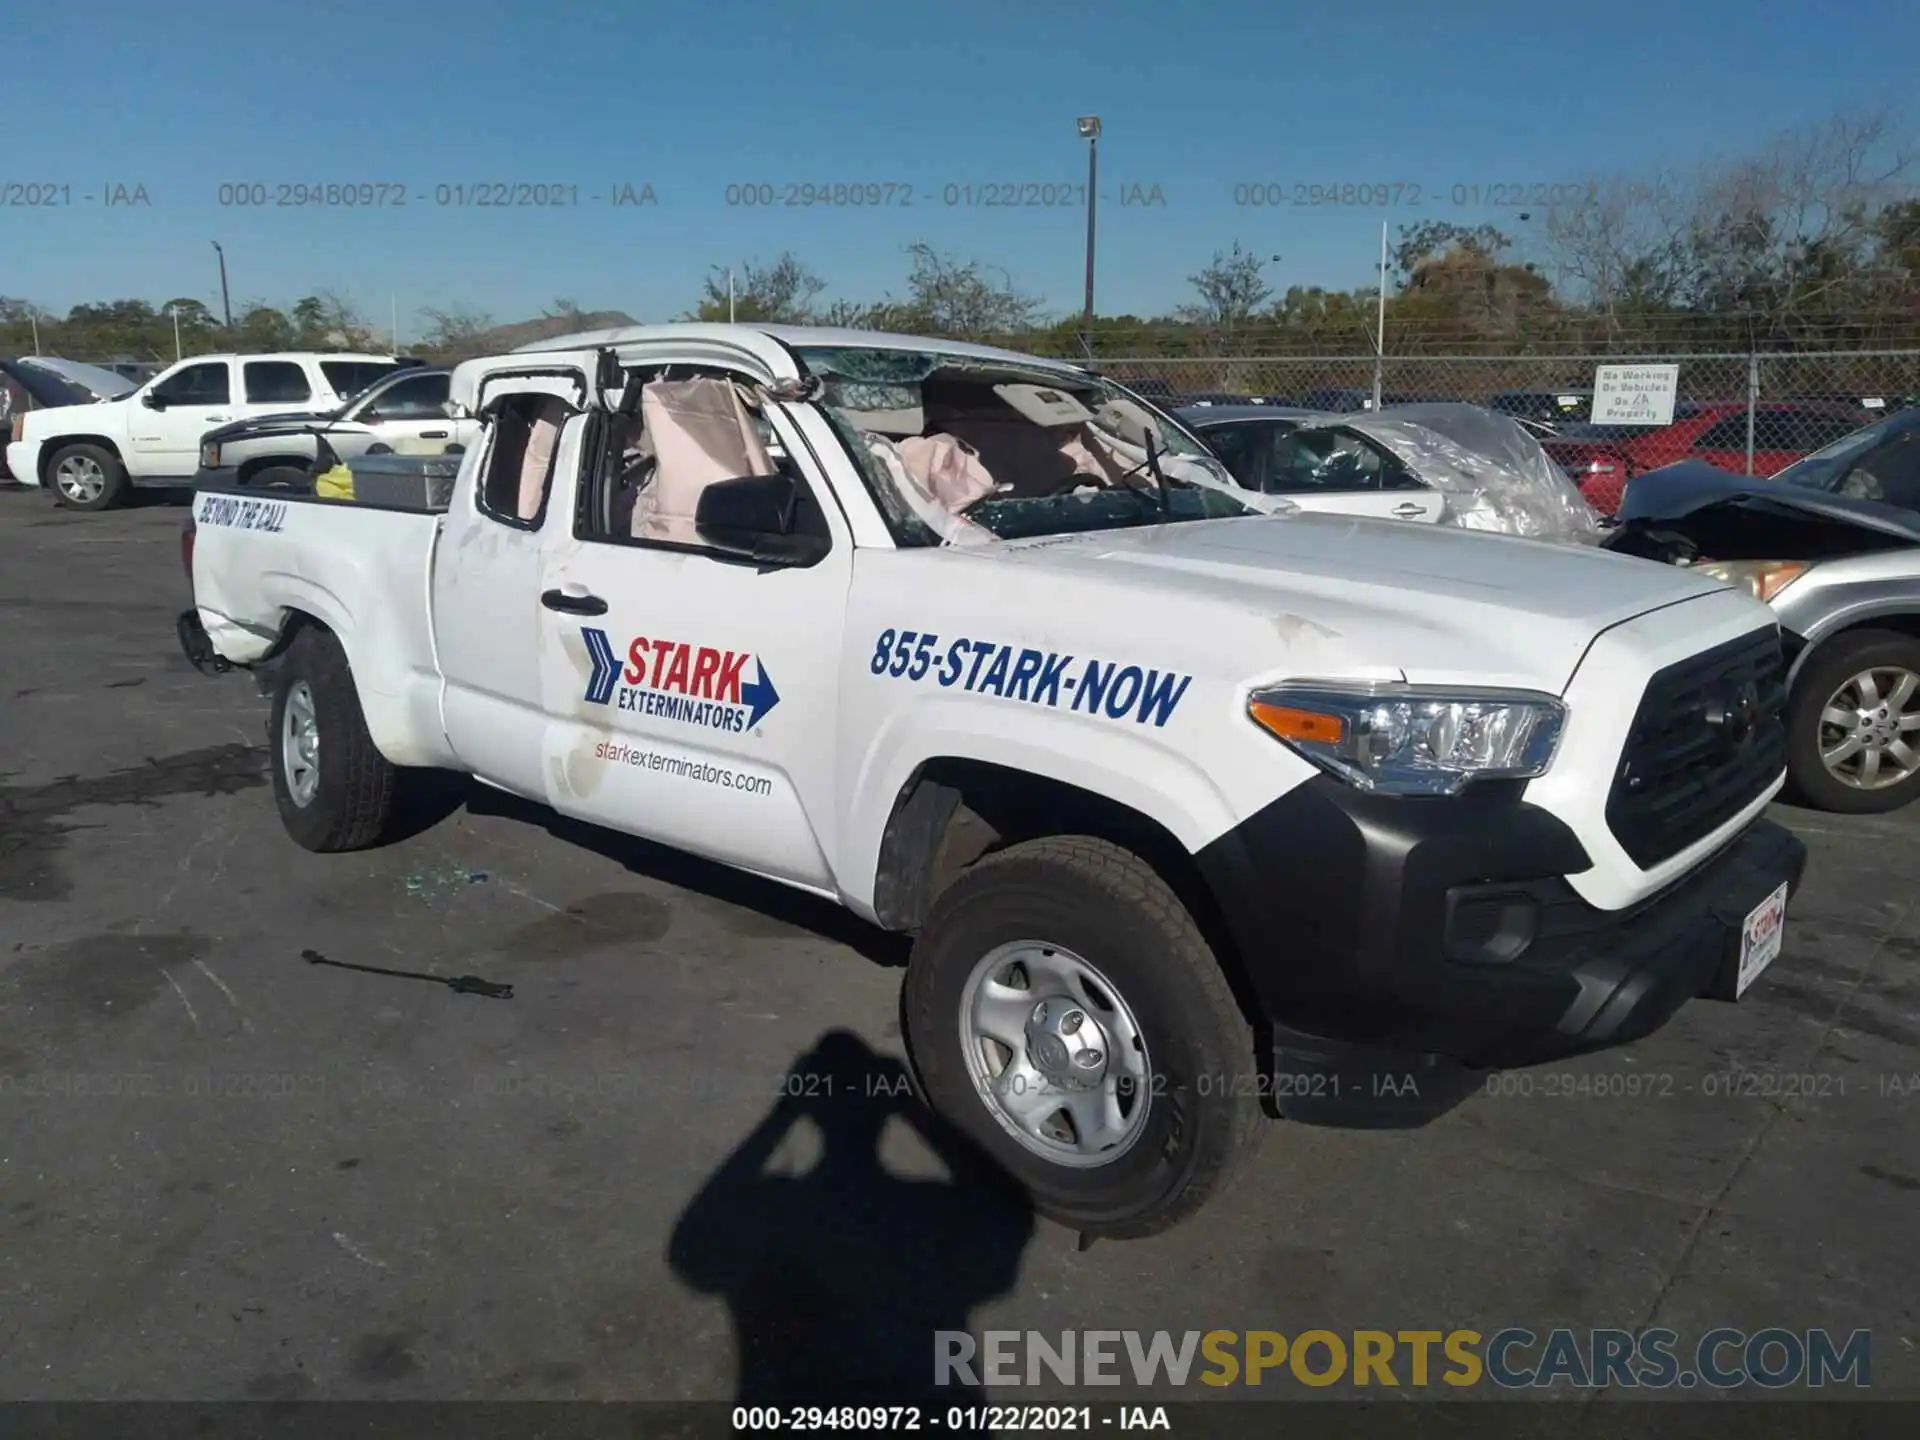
1833	544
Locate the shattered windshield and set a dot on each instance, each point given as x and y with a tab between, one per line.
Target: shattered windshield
962	450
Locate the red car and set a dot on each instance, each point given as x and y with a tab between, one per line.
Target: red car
1603	458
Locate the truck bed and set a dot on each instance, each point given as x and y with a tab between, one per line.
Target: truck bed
363	570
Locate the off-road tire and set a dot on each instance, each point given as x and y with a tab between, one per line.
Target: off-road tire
1105	904
354	801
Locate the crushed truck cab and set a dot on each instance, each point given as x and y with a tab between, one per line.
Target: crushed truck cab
1198	807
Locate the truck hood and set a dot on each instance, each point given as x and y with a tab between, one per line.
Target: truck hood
1383	598
293	422
102	416
1674	492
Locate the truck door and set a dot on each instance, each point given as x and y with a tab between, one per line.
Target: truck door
167	419
515	492
691	693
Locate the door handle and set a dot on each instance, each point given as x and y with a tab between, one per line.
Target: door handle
574	604
433	434
216	417
1409	510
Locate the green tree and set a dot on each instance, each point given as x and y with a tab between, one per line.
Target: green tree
963	299
1231	288
782	293
261	327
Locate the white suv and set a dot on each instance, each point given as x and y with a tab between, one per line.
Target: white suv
89	455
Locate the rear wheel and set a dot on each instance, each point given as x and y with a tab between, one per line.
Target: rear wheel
334	788
1063	1010
87	477
1853	724
281	477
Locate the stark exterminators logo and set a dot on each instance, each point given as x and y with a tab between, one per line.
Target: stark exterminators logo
693	684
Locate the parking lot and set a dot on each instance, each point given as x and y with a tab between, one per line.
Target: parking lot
230	1172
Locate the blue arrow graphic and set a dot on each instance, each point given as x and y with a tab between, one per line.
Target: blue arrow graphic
606	668
760	696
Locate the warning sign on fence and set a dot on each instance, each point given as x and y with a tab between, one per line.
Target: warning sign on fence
1634	394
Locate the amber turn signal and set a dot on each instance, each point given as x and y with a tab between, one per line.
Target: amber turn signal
1290	724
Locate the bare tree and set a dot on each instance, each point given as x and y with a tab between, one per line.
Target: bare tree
1782	244
453	333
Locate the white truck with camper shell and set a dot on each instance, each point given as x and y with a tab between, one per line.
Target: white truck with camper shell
1196	813
90	456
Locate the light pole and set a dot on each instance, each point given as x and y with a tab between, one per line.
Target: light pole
226	305
1089	126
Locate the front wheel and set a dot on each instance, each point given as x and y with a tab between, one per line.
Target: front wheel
1064	1012
334	788
87	477
1853	724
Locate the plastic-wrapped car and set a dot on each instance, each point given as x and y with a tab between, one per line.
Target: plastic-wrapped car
1440	463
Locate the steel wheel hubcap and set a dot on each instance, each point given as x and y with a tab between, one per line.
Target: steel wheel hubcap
1868	728
300	745
1055	1054
80	478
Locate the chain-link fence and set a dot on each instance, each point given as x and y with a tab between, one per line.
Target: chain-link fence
1751	414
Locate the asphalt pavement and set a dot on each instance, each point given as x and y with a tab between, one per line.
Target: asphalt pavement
228	1171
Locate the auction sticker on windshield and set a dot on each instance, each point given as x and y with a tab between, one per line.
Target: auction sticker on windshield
1760	939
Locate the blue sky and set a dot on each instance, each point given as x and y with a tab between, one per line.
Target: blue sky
1197	100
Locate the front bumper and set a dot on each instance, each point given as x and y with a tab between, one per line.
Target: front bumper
23	461
1399	948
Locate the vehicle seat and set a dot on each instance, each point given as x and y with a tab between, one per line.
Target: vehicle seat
701	434
536	461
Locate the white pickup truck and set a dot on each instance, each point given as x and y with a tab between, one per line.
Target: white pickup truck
91	455
1196	814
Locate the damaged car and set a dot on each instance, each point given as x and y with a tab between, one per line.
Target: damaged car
1438	463
1186	806
1832	543
47	382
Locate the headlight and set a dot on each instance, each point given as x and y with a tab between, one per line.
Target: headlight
209	456
1762	579
1410	739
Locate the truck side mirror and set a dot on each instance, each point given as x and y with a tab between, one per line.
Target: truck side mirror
753	516
153	400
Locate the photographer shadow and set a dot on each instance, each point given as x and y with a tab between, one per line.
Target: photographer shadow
838	1277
